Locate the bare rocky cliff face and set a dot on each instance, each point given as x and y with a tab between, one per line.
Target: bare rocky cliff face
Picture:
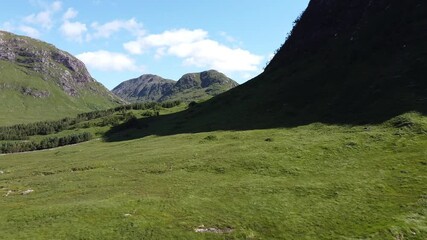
69	73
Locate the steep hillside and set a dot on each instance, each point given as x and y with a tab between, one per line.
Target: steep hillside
352	62
40	82
347	62
190	87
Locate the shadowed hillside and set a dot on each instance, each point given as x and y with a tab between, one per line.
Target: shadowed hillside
353	62
345	62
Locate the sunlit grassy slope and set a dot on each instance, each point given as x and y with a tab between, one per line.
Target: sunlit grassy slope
40	82
309	182
17	107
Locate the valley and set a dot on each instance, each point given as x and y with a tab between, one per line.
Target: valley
328	142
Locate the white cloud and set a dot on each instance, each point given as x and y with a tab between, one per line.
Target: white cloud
69	14
175	37
134	47
44	18
167	38
196	49
108	61
209	53
24	29
107	29
41	18
73	30
29	31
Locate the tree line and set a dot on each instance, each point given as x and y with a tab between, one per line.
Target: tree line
46	143
24	131
148	105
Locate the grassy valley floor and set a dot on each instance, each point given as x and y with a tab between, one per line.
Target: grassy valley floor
309	182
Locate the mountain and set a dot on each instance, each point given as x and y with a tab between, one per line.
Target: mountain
40	82
190	87
351	62
147	87
345	62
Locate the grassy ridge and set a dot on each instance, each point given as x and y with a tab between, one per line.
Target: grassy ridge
310	182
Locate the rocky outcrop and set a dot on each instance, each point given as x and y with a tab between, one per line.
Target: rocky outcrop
39	82
68	72
35	92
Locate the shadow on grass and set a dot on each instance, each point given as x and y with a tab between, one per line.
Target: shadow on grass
323	73
222	114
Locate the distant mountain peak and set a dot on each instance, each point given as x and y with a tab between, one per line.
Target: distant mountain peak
190	87
147	87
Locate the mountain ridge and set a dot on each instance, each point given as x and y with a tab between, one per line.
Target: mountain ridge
190	87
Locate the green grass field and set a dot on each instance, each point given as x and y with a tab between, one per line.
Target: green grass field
309	182
329	142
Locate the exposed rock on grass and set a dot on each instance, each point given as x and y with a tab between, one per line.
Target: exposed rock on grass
203	229
28	191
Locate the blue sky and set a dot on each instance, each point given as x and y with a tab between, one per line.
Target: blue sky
123	39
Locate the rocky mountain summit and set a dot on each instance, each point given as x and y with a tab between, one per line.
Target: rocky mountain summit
37	76
190	87
69	73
